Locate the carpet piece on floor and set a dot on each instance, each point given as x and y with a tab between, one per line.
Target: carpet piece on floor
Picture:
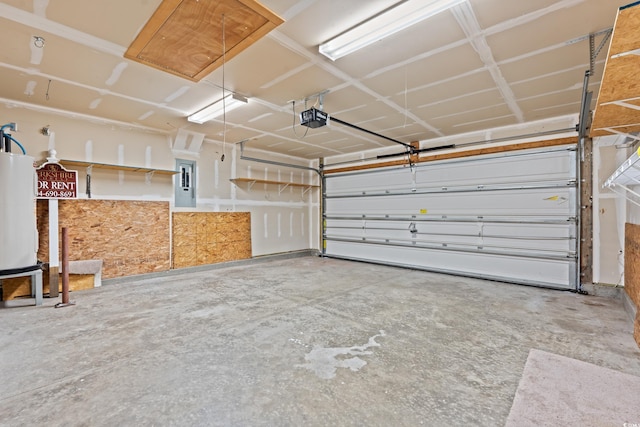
559	391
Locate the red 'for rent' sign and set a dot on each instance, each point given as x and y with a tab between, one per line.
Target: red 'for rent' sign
55	182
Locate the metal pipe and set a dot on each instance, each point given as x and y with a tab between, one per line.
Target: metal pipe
17	143
65	266
273	162
323	209
582	127
7	142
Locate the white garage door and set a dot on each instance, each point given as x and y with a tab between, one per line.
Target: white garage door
509	217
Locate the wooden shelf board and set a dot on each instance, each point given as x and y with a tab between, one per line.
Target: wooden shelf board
80	163
628	173
617	103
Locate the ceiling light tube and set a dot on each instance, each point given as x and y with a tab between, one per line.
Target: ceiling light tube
384	25
226	104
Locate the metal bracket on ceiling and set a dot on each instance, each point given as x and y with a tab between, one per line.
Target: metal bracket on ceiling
584	120
593	51
319	96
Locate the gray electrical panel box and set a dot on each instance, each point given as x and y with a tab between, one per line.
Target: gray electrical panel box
185	184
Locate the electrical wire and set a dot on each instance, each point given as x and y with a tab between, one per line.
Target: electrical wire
406	111
293	126
224	102
17	143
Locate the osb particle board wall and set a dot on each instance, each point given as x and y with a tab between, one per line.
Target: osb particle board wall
210	237
632	271
130	237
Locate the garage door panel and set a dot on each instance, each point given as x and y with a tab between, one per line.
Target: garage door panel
531	271
494	210
530	202
553	167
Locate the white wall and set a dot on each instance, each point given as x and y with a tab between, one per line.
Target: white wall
282	221
609	213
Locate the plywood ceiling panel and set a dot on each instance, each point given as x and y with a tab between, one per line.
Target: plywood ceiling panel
617	104
620	79
612	116
191	38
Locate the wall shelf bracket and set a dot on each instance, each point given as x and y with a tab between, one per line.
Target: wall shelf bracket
250	182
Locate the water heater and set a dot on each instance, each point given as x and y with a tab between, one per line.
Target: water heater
18	231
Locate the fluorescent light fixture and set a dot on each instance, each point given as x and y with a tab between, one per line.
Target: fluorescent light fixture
380	26
226	104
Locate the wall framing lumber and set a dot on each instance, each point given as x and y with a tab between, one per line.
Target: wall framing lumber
586	212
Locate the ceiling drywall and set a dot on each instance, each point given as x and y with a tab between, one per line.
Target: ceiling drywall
480	65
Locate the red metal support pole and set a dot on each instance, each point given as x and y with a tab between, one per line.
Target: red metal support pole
65	266
65	270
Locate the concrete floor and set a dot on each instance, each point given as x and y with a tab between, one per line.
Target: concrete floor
290	342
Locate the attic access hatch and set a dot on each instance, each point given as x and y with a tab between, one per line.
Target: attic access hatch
184	37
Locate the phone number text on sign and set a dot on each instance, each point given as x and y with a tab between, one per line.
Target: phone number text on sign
55	182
